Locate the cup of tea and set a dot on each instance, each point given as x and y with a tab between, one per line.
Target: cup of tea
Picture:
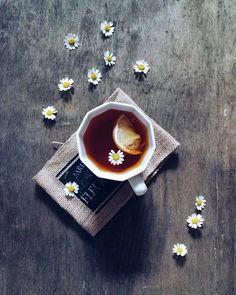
116	141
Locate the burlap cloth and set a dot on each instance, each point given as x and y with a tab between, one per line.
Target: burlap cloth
92	221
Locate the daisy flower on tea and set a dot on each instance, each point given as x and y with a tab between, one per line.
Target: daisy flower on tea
116	158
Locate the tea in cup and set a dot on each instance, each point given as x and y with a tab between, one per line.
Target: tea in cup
116	141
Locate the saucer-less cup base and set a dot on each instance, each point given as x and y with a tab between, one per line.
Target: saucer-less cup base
133	175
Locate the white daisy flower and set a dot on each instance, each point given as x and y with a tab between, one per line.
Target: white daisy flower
71	41
107	28
141	66
116	158
94	76
195	220
65	84
180	249
71	188
49	113
110	58
200	202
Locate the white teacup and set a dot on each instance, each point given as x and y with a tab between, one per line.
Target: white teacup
132	175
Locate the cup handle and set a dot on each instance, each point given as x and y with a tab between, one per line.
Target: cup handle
138	185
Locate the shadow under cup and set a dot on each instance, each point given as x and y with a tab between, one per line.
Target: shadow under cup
95	142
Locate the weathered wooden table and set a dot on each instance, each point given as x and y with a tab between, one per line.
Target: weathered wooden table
190	91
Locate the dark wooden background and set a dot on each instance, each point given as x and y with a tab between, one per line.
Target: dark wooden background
190	91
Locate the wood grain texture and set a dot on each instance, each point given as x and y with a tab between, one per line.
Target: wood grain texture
190	91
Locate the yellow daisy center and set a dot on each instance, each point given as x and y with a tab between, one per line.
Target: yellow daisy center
199	202
107	28
71	40
116	157
179	250
94	76
49	112
109	58
141	67
195	220
66	84
71	188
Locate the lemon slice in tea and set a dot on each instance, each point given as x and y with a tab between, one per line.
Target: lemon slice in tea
125	136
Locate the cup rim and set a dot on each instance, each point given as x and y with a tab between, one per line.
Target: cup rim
109	174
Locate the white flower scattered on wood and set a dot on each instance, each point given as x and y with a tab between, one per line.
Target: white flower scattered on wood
49	113
109	58
65	84
180	249
107	28
94	76
200	202
195	220
141	66
71	41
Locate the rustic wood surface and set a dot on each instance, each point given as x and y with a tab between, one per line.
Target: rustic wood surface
190	91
